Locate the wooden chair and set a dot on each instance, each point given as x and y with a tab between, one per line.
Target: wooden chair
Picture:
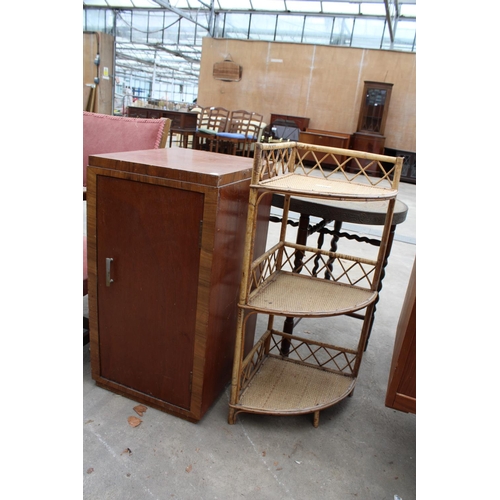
211	120
113	134
254	133
243	130
201	126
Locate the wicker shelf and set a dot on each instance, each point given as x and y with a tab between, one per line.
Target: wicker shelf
285	387
300	185
284	374
289	294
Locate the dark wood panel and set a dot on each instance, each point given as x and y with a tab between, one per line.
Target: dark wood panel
409	172
147	315
180	119
325	138
402	386
371	143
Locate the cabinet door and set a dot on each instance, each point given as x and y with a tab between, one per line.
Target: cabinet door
374	107
147	312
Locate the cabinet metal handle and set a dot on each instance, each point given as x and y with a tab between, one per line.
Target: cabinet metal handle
108	271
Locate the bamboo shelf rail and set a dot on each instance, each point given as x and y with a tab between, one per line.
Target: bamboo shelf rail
285	374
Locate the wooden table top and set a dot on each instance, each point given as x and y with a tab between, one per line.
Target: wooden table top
357	212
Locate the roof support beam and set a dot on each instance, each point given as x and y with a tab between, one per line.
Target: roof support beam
166	5
389	18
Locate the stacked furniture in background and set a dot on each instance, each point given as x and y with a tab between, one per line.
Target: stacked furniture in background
241	132
223	131
183	122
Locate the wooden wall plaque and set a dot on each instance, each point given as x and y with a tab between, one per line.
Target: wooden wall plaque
227	71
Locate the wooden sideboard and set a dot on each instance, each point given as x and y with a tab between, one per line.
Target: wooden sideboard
371	143
326	138
184	119
165	249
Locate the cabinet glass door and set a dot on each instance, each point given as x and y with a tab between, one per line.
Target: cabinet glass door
374	107
374	110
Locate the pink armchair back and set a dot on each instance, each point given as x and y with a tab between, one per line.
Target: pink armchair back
113	134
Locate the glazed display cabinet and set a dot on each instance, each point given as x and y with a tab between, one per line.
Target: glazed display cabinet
372	119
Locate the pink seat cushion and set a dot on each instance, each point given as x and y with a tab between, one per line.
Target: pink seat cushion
113	134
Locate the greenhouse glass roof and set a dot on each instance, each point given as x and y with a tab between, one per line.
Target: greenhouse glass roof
162	39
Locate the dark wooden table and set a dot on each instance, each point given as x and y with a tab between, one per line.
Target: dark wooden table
183	122
338	212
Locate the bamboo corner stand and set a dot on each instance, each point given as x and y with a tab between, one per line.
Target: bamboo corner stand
286	373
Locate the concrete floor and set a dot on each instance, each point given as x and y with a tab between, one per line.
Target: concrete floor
361	449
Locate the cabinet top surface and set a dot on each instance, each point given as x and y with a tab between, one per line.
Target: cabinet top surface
188	165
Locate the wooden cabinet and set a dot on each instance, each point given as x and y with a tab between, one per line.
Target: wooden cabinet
137	112
374	107
402	387
369	136
326	138
165	245
371	143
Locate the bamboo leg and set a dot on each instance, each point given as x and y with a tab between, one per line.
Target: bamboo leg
238	359
316	419
241	322
367	321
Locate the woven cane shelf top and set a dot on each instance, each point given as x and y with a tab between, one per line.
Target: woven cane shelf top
290	294
281	386
303	185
